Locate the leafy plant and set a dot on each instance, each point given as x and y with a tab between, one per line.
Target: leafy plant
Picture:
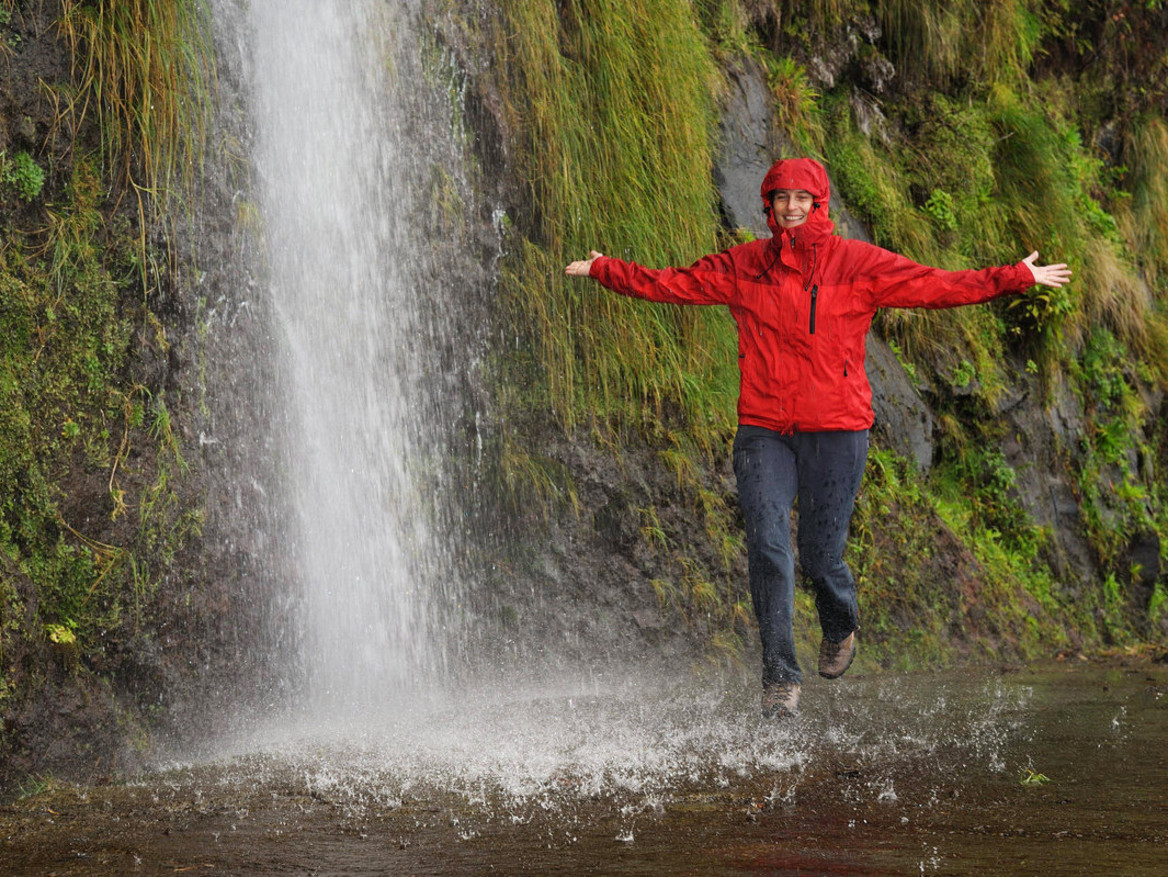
23	174
62	634
939	208
795	100
964	374
1031	777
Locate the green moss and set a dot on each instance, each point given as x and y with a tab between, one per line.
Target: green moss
1118	499
69	310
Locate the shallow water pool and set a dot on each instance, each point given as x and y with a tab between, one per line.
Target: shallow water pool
1054	770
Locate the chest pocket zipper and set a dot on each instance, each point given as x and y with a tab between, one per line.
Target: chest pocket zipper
814	295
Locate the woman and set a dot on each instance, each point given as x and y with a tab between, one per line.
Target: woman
803	301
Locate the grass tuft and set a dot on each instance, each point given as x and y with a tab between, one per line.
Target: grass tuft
144	67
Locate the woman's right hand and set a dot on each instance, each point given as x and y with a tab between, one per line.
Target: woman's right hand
583	267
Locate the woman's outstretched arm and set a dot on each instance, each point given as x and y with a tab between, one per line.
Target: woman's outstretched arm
708	281
894	281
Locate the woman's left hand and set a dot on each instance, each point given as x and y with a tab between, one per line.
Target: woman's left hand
1047	275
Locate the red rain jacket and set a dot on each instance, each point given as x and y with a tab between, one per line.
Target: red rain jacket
803	301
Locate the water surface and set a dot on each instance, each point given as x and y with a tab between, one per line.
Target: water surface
1058	770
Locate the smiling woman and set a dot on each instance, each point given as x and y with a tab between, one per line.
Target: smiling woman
803	302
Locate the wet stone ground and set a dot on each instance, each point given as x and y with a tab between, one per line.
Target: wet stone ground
1057	770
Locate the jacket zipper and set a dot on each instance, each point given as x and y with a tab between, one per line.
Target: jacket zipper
814	295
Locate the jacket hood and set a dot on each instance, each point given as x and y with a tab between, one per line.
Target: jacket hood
810	176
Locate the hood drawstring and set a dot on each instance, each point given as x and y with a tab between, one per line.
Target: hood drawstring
814	286
814	264
767	269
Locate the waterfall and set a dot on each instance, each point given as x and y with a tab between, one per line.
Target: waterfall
351	283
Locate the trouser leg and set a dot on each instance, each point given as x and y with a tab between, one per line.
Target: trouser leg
764	465
831	467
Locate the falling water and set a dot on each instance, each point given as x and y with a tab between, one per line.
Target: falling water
345	274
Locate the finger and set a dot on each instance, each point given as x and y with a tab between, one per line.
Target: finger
593	254
1032	258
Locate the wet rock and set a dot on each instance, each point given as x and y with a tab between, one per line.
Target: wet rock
1140	567
878	71
616	522
869	117
648	619
903	422
1038	446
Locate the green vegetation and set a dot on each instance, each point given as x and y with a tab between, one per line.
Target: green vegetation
1030	777
69	421
90	509
616	112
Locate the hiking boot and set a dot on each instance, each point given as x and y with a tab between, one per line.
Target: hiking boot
835	658
780	700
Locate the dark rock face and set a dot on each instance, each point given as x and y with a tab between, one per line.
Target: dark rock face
749	146
903	422
1038	445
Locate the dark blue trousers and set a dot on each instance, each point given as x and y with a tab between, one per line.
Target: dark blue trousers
823	470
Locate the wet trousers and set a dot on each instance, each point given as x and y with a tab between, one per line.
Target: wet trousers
823	470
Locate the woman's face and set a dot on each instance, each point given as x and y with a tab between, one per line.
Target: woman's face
791	207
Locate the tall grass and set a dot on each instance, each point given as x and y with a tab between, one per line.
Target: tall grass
613	102
1053	189
940	42
988	179
1145	154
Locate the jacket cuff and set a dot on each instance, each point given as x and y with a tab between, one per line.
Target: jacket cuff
1024	277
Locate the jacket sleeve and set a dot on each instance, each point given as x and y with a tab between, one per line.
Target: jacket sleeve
708	281
894	281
